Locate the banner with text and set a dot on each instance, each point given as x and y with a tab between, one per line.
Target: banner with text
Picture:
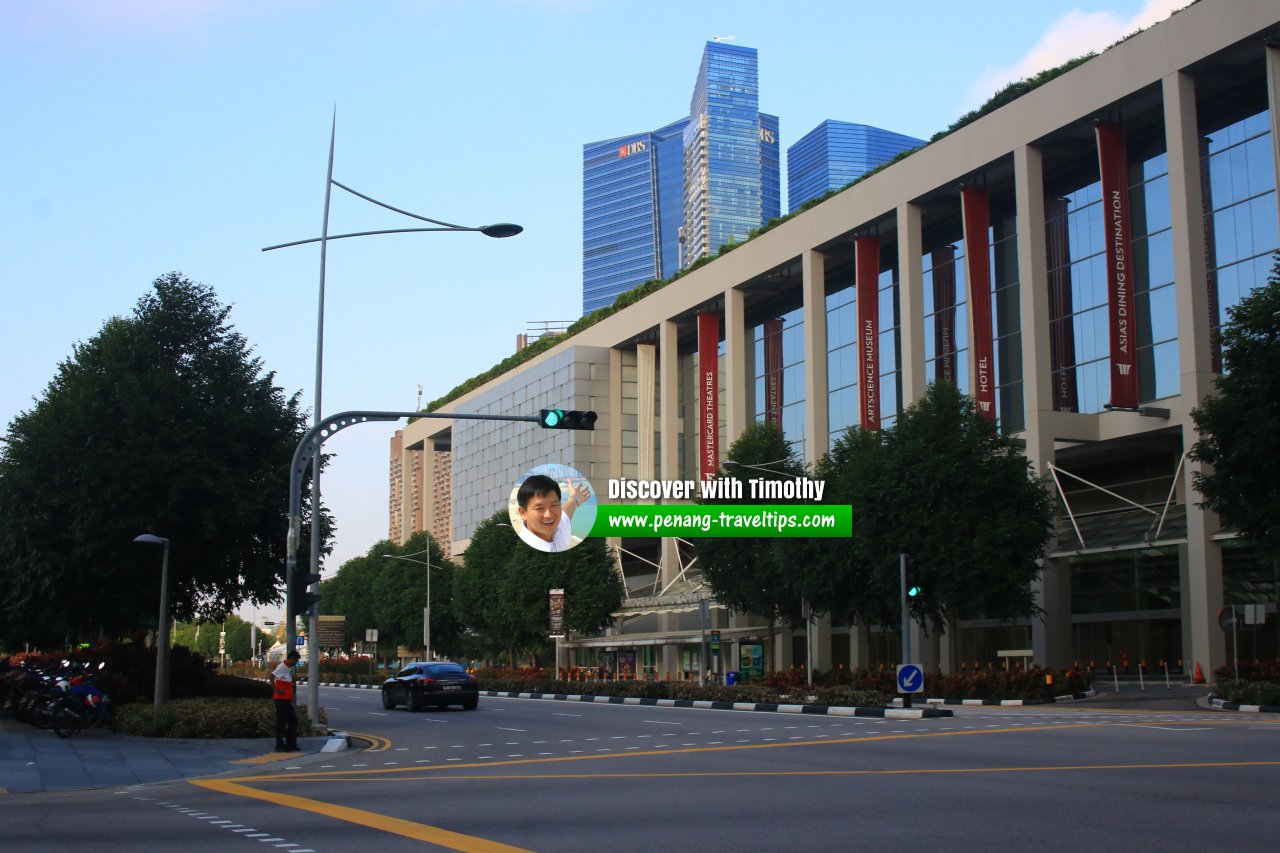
746	521
977	256
866	251
1113	162
708	393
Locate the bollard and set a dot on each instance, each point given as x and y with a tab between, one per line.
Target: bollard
1142	684
1167	684
1115	673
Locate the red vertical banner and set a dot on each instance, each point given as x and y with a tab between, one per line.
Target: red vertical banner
773	372
944	311
708	394
1062	335
975	210
1113	162
867	279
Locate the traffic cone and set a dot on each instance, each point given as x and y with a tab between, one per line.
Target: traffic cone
1199	678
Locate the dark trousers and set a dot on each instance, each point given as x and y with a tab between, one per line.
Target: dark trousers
286	723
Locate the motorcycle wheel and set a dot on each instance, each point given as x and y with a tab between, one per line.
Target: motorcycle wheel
65	723
42	714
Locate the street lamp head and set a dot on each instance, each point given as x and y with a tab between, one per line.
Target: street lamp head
500	229
151	539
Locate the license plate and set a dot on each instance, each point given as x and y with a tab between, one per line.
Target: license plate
451	687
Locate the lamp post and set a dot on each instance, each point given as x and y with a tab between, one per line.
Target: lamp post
162	625
805	610
497	230
426	612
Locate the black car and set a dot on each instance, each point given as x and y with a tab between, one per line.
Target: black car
434	683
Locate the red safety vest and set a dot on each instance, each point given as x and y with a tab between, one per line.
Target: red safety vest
283	689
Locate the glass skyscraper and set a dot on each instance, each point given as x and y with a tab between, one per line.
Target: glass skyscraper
655	201
835	153
632	210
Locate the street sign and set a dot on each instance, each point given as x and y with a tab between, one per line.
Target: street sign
1227	617
330	630
910	678
371	635
300	640
715	642
1255	614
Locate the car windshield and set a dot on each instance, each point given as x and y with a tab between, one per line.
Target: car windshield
445	669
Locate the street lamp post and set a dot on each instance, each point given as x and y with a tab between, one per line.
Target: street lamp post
497	230
162	624
426	613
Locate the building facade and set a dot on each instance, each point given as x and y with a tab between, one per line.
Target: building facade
989	259
835	153
655	201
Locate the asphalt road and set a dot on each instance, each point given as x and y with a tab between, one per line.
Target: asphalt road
566	776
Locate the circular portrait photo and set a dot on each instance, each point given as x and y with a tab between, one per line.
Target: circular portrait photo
552	507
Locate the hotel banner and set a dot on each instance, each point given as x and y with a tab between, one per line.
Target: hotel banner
867	278
773	372
708	394
1114	165
977	254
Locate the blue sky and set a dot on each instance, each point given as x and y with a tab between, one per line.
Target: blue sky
143	136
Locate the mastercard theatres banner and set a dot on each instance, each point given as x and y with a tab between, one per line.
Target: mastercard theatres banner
709	401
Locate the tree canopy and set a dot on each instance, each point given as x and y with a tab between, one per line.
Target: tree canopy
943	486
1237	423
762	576
164	422
503	589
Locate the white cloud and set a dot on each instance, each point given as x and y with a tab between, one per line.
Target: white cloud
1073	34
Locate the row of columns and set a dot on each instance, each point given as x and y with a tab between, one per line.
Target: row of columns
1201	561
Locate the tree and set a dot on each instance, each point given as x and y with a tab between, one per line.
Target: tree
760	576
502	591
943	486
164	422
1237	424
202	637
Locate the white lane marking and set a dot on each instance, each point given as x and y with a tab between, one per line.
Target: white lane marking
505	729
557	714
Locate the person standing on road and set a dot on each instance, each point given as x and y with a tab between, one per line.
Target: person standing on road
283	693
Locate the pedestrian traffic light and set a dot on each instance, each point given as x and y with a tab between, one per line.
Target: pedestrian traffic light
300	600
562	419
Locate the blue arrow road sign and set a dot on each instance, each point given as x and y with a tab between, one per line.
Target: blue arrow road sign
910	678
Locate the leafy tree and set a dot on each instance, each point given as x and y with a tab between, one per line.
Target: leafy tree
761	576
503	588
1237	424
202	637
943	486
164	422
479	583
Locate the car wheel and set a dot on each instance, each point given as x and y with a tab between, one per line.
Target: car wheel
415	702
387	704
471	704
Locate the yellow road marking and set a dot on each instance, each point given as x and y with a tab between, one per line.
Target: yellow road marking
345	775
265	759
384	823
377	742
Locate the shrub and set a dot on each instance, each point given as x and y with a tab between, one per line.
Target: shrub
205	718
1252	670
1248	692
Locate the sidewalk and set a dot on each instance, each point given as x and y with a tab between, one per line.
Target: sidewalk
32	760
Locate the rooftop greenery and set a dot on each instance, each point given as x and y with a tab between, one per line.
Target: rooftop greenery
1004	96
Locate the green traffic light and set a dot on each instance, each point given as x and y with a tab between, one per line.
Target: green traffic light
552	417
912	592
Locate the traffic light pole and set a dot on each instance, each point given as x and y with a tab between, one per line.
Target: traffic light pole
905	611
307	452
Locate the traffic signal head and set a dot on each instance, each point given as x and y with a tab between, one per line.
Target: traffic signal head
562	419
914	585
300	600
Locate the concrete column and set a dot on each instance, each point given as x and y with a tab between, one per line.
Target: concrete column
669	421
1200	560
615	407
813	266
911	301
1273	104
1050	634
733	400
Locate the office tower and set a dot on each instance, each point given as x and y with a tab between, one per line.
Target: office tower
636	191
835	153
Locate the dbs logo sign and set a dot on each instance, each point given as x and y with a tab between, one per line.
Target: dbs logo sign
767	137
638	147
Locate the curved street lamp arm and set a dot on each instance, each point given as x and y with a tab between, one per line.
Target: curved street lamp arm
366	234
448	225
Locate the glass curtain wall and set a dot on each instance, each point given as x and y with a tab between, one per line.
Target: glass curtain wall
781	343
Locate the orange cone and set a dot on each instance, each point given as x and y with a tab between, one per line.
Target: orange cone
1199	679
